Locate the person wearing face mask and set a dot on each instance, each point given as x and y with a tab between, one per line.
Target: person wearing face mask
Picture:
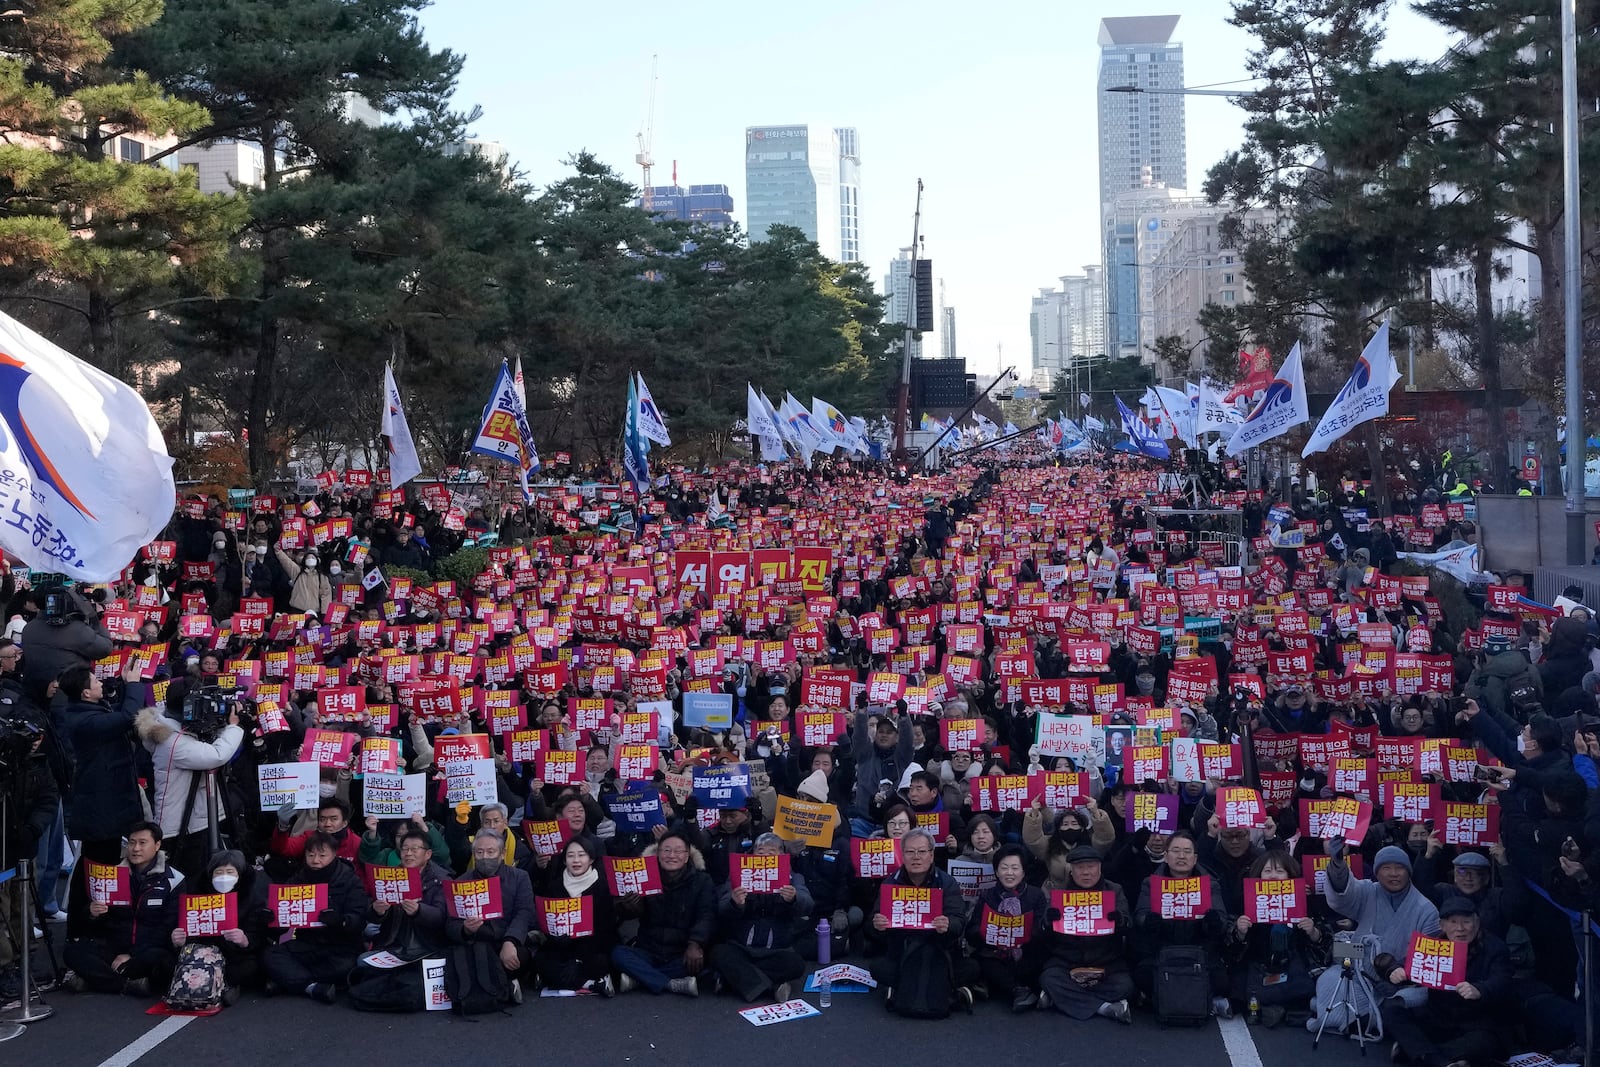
318	959
506	937
241	946
578	962
309	587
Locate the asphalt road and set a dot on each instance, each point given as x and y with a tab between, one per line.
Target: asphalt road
88	1030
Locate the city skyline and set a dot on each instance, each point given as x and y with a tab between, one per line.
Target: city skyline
1011	199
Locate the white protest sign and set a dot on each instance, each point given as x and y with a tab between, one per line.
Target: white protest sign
284	783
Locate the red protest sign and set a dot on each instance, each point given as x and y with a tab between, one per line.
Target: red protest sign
327	748
454	749
566	916
959	735
108	884
1004	792
1343	817
760	874
557	767
1436	962
1085	913
1180	898
633	874
392	885
1470	824
875	857
1240	807
1412	801
473	898
910	907
208	914
1006	931
343	702
1274	900
546	837
294	907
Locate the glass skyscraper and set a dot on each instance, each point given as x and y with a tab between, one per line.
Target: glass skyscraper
1142	146
806	178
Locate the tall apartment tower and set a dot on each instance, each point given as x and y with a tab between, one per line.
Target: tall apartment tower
1142	145
807	177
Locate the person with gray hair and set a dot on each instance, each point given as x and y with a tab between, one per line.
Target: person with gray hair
507	936
923	961
756	957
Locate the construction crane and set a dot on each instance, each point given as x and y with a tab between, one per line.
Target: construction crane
646	135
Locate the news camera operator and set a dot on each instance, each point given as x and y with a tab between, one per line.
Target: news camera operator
28	803
66	633
182	753
105	795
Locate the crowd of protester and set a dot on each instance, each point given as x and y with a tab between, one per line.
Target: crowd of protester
1016	597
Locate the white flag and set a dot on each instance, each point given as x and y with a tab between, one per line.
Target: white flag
831	423
1364	397
652	424
403	462
517	383
758	418
86	477
1281	407
1216	415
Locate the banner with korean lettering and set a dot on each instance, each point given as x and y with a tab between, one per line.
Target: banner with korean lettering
108	884
1343	817
1156	812
287	783
1240	808
1005	931
1180	898
295	907
759	874
1084	913
910	907
327	748
566	916
394	885
1470	824
208	914
724	786
473	898
626	875
1436	962
874	857
1274	900
1004	792
804	820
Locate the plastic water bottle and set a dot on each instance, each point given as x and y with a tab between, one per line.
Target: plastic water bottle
825	999
1255	1011
824	943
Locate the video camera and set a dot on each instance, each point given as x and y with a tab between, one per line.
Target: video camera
206	711
18	733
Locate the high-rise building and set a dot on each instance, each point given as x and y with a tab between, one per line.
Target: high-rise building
897	292
805	177
1195	264
947	333
707	205
1068	325
491	152
1142	146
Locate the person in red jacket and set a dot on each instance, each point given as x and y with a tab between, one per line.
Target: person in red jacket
333	819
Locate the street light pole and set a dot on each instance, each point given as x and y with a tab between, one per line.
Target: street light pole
1572	288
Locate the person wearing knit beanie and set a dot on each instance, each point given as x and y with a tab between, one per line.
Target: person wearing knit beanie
1391	854
814	787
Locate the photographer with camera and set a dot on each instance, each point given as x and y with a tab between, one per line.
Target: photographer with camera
67	633
183	754
28	808
105	797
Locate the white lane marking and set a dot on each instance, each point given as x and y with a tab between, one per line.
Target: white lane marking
154	1036
1242	1051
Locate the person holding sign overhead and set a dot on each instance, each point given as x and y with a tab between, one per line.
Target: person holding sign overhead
1461	1020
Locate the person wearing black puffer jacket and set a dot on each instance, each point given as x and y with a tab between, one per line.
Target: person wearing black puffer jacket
105	795
128	948
757	956
1005	969
1088	975
675	925
319	958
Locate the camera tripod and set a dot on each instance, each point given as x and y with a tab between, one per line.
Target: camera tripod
1351	982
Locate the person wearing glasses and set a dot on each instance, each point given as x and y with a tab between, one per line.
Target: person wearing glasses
923	973
413	928
1153	933
675	925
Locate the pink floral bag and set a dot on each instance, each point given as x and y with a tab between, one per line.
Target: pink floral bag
198	979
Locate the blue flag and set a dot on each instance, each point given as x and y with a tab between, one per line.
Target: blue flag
635	448
1141	436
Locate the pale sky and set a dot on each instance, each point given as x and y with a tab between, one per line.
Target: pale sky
991	105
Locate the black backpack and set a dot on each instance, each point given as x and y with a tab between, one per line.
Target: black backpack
396	989
474	980
925	986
